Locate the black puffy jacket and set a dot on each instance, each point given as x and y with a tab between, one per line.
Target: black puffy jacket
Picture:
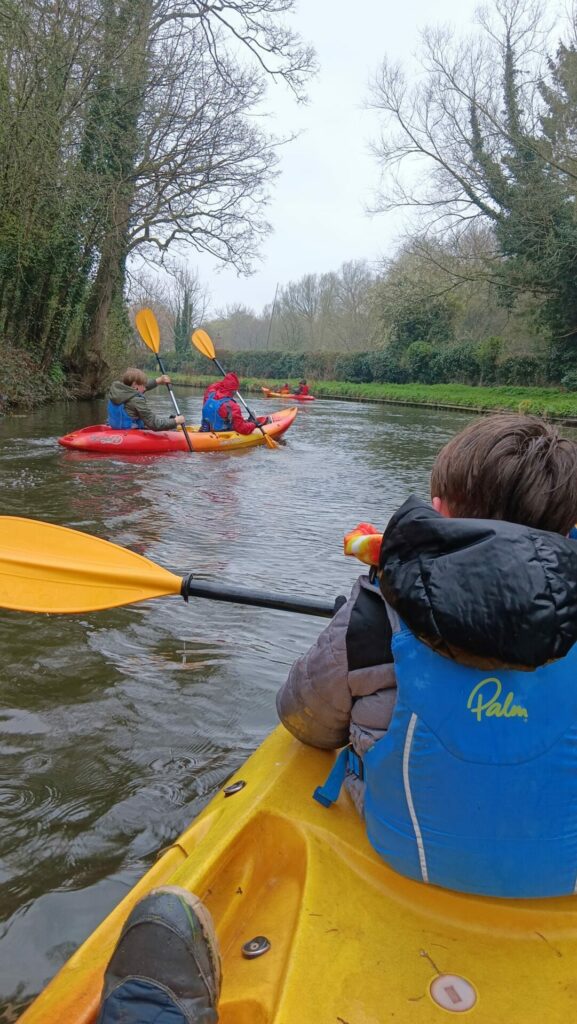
483	592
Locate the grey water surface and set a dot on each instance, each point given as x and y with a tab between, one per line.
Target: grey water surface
117	726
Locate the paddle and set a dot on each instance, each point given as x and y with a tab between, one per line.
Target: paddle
201	340
48	568
147	326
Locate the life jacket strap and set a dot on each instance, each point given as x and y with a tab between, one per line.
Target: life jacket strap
348	762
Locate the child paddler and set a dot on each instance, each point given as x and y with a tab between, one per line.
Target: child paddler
128	408
221	411
454	673
451	672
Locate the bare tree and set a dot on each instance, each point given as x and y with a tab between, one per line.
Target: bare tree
445	139
186	287
126	127
354	322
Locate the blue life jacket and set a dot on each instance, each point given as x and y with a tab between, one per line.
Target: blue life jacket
119	419
474	786
211	415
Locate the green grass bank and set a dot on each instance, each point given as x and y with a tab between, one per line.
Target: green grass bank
549	402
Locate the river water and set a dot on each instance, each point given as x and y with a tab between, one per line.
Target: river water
117	726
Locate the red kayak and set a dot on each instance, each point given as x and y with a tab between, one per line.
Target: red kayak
106	440
295	398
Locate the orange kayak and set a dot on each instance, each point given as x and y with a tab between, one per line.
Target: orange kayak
279	394
108	441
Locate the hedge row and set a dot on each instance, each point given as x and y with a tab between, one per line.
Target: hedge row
421	363
549	402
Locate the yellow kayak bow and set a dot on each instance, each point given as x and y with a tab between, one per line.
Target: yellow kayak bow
350	940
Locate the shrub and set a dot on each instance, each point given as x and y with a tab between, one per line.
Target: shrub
458	364
488	353
421	362
354	368
25	384
386	368
521	370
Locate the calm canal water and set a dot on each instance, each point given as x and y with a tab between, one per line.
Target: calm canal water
117	726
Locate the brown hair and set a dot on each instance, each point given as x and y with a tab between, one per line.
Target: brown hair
509	467
134	376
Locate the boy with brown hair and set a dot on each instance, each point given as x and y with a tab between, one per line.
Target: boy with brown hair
470	765
128	408
455	679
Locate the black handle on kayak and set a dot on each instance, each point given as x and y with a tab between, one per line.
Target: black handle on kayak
174	402
259	598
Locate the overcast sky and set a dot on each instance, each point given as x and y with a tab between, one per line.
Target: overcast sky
328	174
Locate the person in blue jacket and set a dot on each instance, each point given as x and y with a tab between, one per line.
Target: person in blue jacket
458	686
128	408
457	690
221	411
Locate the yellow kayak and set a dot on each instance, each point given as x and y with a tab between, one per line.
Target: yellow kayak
351	942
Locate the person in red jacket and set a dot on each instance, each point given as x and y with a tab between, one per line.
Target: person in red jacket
302	388
220	410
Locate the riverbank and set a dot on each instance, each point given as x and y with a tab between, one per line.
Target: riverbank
549	402
24	385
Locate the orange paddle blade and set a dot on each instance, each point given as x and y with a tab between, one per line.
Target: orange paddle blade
46	568
364	543
147	327
202	341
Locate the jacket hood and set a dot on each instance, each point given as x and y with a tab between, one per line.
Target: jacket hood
120	393
481	591
226	387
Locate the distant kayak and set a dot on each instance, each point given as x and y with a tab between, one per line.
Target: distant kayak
296	398
343	938
103	439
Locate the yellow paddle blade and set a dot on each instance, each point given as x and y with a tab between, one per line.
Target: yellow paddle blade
46	568
147	327
201	340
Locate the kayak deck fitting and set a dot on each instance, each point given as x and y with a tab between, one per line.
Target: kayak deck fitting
107	440
351	942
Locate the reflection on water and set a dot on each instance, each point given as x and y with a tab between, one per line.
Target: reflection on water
115	727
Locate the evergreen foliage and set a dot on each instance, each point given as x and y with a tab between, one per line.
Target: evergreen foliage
124	129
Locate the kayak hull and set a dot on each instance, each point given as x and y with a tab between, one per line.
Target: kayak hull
351	941
103	439
295	398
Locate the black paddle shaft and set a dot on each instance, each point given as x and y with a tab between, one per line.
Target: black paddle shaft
174	402
260	598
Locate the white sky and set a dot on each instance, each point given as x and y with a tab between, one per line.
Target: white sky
328	174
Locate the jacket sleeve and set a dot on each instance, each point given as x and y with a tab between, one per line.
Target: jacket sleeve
239	424
316	702
139	409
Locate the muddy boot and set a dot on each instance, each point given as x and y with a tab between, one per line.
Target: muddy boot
166	965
